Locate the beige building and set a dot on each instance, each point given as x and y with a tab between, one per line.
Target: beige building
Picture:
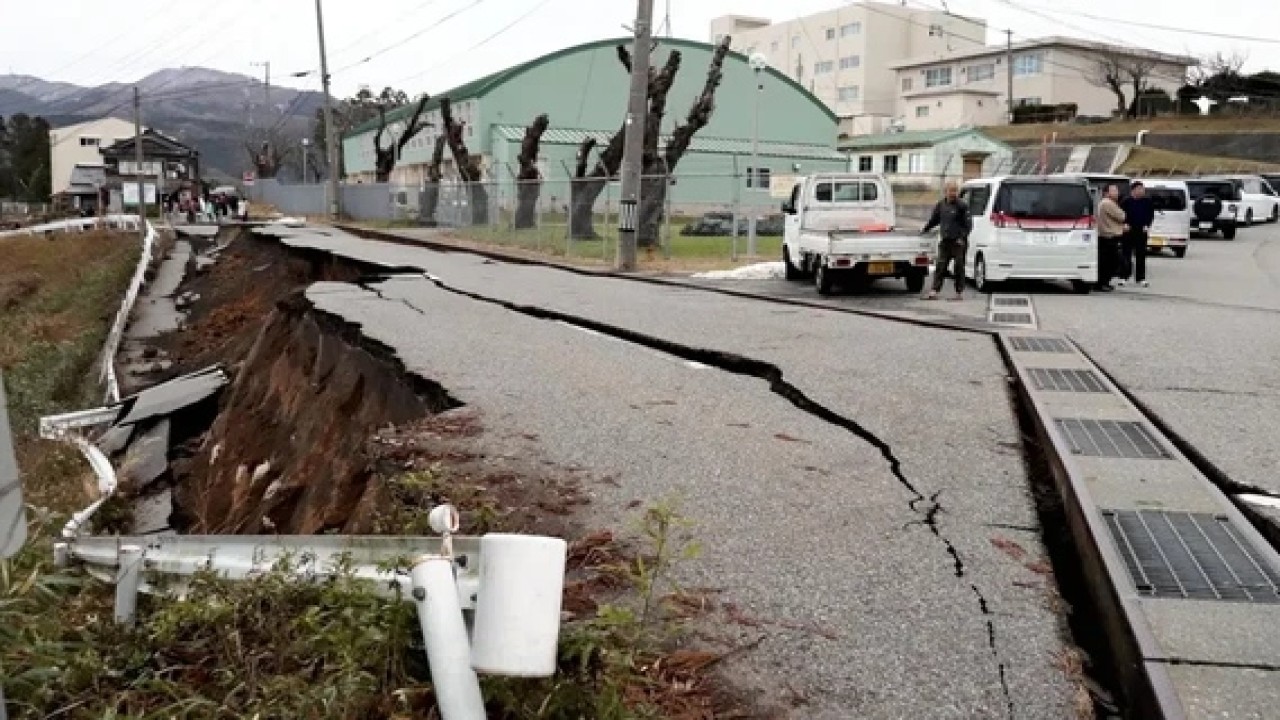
844	56
79	145
970	88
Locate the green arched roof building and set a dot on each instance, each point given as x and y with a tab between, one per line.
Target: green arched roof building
583	90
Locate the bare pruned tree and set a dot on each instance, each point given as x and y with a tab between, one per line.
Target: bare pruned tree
269	156
385	158
469	170
431	189
1125	75
658	163
528	180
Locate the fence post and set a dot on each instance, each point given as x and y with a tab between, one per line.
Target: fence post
128	578
737	189
666	178
435	593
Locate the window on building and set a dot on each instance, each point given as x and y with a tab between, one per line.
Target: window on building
852	28
795	41
849	62
831	33
922	111
864	163
758	178
89	142
980	72
937	77
1028	64
849	93
824	66
906	84
890	164
916	163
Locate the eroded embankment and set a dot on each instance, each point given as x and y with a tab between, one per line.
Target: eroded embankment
321	426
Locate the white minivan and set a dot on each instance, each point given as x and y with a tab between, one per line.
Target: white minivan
1259	201
1172	225
1031	228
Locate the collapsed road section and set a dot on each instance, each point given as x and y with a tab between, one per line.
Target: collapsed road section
874	544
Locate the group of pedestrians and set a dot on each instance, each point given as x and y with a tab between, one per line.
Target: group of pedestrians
1123	227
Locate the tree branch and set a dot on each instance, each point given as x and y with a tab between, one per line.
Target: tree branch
624	57
584	157
413	128
468	166
659	86
434	173
700	114
528	158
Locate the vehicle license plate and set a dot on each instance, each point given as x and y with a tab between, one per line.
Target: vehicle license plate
1206	226
1043	238
880	268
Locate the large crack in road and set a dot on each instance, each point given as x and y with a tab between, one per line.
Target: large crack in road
926	508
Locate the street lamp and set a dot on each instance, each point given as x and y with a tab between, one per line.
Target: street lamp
306	144
758	64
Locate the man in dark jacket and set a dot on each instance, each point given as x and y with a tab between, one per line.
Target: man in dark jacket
952	216
1139	212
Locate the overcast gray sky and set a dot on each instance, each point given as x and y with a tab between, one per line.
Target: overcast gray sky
433	45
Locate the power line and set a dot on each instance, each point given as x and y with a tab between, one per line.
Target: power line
378	29
1165	28
414	36
499	32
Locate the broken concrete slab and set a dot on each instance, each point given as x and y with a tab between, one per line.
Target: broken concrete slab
169	397
151	513
147	458
115	439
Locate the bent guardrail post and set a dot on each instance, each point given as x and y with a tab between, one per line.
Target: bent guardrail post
128	580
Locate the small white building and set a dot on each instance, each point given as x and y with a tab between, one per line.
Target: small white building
79	144
929	158
971	86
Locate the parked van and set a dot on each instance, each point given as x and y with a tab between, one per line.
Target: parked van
1031	228
1172	225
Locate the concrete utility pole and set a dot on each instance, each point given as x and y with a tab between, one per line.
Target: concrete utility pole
330	136
633	149
758	63
138	158
1008	69
266	85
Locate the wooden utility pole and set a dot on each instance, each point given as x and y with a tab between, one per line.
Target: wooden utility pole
138	158
1008	68
330	136
633	147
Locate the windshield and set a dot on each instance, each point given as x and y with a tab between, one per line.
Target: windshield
1167	198
1049	201
1224	190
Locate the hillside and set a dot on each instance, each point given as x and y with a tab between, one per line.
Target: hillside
206	108
1127	130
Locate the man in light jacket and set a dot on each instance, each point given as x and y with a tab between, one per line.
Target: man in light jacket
1111	230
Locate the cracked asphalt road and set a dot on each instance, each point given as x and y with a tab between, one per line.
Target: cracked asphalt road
856	484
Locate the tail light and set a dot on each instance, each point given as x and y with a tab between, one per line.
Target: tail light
1000	220
1088	221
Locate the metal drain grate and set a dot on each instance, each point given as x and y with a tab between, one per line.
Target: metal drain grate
1039	344
1110	438
1059	380
1011	302
1196	556
1011	318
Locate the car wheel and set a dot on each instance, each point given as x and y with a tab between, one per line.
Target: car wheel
790	271
1229	232
1180	252
1080	287
1275	213
915	280
980	280
822	279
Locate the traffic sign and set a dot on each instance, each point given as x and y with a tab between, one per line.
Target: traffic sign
13	522
248	178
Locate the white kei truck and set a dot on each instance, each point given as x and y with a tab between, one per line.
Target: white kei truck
839	229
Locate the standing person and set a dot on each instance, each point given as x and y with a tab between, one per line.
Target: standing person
1111	228
951	215
1139	213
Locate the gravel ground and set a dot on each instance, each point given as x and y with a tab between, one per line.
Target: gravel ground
911	639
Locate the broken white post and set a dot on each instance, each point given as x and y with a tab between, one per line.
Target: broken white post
517	621
435	593
128	579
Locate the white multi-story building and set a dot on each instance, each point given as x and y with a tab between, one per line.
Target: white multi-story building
971	87
844	56
74	145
